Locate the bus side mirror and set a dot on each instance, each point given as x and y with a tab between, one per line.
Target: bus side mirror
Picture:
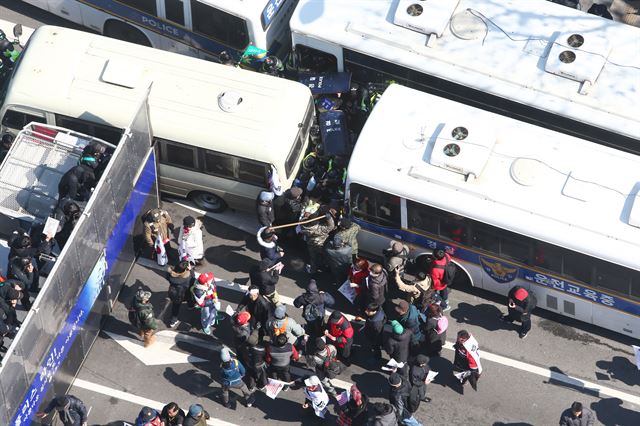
17	30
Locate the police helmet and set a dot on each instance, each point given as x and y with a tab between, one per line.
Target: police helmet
225	58
309	163
6	46
7	139
24	261
71	209
24	241
89	161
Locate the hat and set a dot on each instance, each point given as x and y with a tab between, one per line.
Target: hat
295	192
335	316
395	379
345	223
356	395
62	401
254	290
397	327
396	247
243	317
147	414
312	287
12	294
312	381
521	294
422	359
204	278
195	410
225	355
320	344
189	221
143	295
266	196
402	307
280	312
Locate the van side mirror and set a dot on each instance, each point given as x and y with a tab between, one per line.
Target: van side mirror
17	30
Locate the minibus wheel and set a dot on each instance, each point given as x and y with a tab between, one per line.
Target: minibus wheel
208	201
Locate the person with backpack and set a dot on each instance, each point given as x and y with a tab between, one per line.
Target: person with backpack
413	291
241	330
156	223
466	364
348	232
181	277
206	299
265	276
281	323
418	374
395	257
397	344
354	412
375	319
313	304
325	363
279	355
141	316
442	271
409	317
231	373
337	254
316	234
382	414
257	366
521	303
259	308
190	246
399	391
340	332
435	329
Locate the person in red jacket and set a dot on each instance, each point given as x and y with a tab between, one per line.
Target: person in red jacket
340	332
436	270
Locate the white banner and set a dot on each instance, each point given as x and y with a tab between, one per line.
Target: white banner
273	388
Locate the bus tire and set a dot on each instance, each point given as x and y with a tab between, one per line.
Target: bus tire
208	201
123	31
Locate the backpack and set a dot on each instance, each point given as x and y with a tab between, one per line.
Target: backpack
311	312
280	330
443	323
413	400
449	272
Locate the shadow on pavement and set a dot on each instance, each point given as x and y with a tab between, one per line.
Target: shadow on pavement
610	412
620	368
194	382
483	315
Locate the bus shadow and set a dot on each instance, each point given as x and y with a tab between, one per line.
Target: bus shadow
483	315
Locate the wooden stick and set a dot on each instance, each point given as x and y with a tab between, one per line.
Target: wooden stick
287	225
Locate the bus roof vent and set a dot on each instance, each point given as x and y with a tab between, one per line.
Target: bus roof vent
579	57
230	101
425	16
634	214
122	73
463	148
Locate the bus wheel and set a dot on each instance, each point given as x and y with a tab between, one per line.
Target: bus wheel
123	31
208	201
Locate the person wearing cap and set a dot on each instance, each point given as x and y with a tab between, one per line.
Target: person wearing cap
264	208
466	362
281	323
269	249
68	213
241	331
399	390
149	417
231	373
190	246
257	365
172	415
206	298
71	410
577	415
418	376
395	257
340	332
521	303
397	344
181	277
9	323
315	397
314	304
409	317
338	256
143	316
259	307
316	234
196	416
157	223
436	269
291	210
264	275
354	412
348	232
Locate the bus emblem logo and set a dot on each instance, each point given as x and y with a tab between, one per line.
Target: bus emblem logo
502	273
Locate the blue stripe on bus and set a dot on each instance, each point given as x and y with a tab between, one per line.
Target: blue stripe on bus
166	28
89	294
504	272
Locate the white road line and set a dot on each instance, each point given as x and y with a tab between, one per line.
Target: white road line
134	399
541	371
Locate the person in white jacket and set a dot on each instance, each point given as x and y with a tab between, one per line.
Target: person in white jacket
190	246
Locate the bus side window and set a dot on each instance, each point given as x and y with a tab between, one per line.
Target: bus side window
635	284
107	133
174	11
375	206
613	277
219	25
148	6
314	60
453	227
548	257
484	237
17	120
219	164
177	155
514	246
253	173
577	266
422	218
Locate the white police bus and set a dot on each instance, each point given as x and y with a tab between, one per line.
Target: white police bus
221	133
200	28
511	202
532	60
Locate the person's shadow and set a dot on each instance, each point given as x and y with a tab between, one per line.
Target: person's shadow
619	368
192	381
483	315
445	377
610	412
